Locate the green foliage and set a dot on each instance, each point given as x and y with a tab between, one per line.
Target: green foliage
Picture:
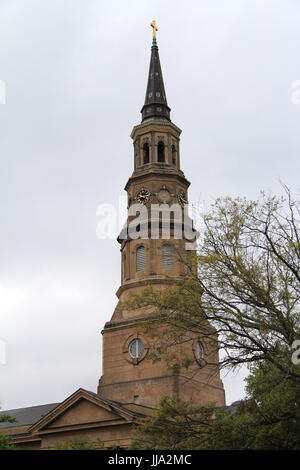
6	439
175	425
268	419
7	418
242	296
5	443
274	402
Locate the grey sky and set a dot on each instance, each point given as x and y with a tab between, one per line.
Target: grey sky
75	74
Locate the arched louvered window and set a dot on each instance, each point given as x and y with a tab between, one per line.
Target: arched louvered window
167	257
174	154
161	152
140	258
146	153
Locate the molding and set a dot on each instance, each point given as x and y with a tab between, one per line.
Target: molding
158	279
156	126
165	170
161	377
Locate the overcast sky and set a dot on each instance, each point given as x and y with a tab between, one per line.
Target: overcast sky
75	73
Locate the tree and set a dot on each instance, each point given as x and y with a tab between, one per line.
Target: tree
272	408
241	296
242	293
5	440
6	418
267	419
5	443
175	425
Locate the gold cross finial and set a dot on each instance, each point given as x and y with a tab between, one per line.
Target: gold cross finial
153	24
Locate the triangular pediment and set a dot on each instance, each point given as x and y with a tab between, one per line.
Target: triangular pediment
81	408
83	411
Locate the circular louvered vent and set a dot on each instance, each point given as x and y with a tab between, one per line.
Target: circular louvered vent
136	348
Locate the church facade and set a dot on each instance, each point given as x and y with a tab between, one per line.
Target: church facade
131	384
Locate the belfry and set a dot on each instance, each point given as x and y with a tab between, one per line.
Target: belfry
131	384
147	261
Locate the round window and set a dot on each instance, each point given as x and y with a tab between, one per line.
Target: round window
136	348
199	351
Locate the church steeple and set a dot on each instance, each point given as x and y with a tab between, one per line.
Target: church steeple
153	260
155	106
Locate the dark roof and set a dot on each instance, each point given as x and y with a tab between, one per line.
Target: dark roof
155	106
26	416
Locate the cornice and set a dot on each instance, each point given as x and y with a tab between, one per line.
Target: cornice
155	125
152	171
146	281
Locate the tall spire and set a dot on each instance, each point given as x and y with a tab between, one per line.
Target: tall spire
155	106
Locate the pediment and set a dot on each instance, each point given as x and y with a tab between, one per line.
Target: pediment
81	412
81	408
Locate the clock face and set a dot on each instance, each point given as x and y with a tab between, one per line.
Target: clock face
143	196
164	196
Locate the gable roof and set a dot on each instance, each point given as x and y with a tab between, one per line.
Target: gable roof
27	416
38	416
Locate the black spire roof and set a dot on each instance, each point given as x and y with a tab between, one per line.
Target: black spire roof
155	106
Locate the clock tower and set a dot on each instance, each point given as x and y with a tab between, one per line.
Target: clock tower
150	255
